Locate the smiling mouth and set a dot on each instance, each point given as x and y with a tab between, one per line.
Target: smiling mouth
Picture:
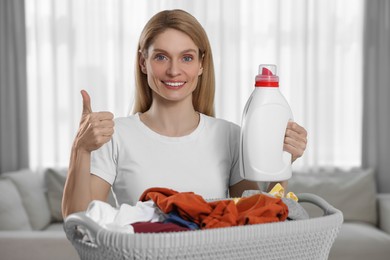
176	84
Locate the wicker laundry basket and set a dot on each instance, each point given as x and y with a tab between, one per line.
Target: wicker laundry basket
297	239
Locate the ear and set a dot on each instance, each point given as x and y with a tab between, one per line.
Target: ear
142	63
201	66
200	70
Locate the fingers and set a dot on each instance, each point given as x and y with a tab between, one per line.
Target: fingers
296	151
101	116
295	140
101	122
86	102
296	131
96	128
297	128
101	132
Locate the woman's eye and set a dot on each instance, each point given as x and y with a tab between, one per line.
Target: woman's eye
187	58
160	57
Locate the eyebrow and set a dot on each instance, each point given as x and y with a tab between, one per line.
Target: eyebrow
184	51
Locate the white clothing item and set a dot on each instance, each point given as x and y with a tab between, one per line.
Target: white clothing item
141	212
120	220
101	212
104	215
137	158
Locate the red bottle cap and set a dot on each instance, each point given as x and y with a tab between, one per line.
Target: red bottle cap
267	76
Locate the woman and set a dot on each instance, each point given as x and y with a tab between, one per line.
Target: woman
172	140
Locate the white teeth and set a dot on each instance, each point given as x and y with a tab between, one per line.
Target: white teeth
174	84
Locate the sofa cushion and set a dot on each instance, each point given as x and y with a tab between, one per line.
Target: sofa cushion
353	192
55	179
384	212
13	216
55	182
31	189
358	240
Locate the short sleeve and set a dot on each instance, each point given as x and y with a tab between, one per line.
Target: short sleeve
234	141
103	161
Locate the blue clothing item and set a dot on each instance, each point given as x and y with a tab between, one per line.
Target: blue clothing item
174	217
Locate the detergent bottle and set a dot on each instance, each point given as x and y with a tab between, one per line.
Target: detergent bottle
263	128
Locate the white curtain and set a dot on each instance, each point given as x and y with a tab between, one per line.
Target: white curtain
91	44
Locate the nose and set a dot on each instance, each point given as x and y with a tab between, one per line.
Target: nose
173	68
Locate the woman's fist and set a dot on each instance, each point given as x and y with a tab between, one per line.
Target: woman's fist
96	128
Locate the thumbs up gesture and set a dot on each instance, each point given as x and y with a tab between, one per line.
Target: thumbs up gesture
96	128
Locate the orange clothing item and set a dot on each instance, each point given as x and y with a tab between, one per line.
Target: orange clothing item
260	208
224	214
190	206
255	209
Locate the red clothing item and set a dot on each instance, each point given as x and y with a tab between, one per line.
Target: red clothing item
255	209
157	227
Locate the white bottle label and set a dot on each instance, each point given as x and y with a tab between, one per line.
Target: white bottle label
262	155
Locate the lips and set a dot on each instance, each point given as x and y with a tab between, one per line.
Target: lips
174	84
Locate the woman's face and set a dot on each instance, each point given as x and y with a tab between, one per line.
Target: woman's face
172	66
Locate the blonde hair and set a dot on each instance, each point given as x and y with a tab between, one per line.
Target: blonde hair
203	95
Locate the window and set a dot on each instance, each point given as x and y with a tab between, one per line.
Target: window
317	46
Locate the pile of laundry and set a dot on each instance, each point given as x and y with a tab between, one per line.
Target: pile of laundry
166	210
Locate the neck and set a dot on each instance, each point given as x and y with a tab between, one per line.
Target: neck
171	120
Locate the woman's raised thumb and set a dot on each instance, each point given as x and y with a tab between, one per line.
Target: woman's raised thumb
86	102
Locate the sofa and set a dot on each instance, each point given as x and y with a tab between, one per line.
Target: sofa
31	222
365	233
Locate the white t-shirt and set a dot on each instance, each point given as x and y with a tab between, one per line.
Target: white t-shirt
137	158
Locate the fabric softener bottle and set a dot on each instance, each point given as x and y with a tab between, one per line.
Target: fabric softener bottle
263	128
